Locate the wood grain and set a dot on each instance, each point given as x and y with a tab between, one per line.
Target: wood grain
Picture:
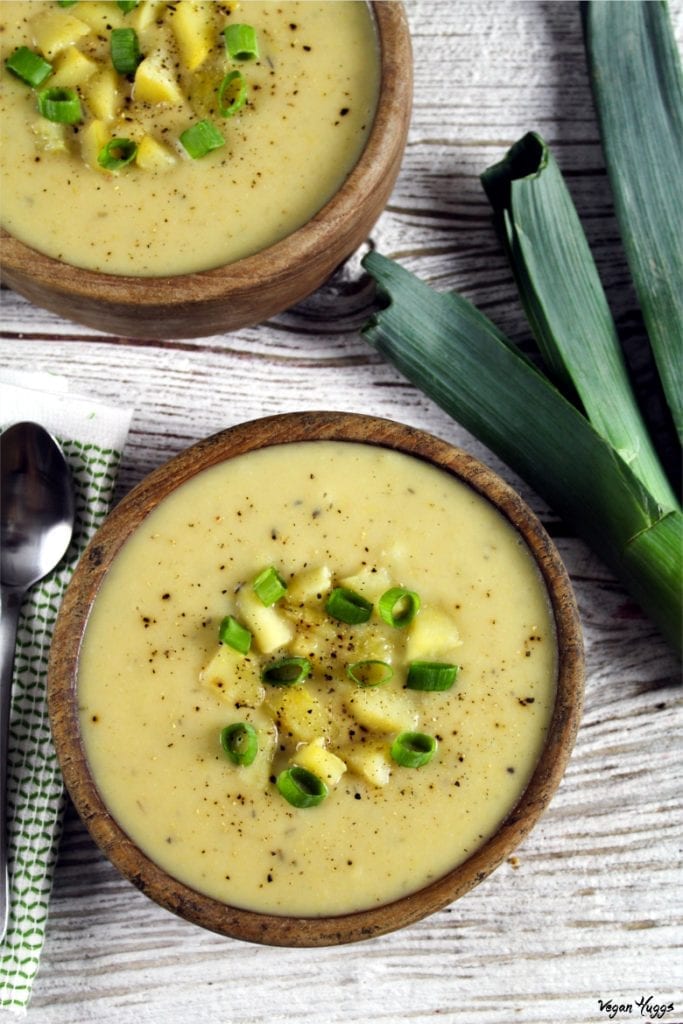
590	908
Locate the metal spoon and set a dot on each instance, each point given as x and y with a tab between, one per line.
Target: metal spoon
36	524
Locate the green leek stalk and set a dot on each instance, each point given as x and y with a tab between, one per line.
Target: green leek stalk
637	85
566	305
458	357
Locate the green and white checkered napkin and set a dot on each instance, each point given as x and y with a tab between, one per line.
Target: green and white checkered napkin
92	436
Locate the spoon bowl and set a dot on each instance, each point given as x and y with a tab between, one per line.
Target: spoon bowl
36	524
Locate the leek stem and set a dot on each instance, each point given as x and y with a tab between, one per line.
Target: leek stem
459	358
637	85
566	304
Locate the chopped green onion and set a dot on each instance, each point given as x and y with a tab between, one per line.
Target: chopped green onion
450	349
201	138
60	105
127	5
398	606
116	154
413	749
125	50
240	742
240	42
348	606
29	66
269	586
232	94
234	634
67	3
286	671
431	675
300	787
371	672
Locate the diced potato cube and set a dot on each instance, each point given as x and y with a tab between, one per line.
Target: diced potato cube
316	635
50	136
261	768
382	709
322	762
298	712
432	635
155	82
102	95
153	155
369	583
269	628
72	68
309	585
145	14
92	138
234	677
370	760
101	15
371	642
194	31
55	30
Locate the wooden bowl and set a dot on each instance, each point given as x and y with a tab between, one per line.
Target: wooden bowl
259	286
63	702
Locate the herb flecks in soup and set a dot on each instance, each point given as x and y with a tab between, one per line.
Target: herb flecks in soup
180	136
167	711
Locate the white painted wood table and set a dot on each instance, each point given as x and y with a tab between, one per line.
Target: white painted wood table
590	909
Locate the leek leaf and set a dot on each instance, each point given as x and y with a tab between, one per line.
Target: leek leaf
637	86
565	302
456	355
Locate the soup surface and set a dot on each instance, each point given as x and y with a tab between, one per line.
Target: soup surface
310	95
154	699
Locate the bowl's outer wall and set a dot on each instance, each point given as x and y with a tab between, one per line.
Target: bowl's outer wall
62	681
260	286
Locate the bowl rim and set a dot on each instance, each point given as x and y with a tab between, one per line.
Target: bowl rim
270	266
274	929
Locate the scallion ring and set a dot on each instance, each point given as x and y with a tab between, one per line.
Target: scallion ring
232	94
60	105
431	675
116	154
398	606
269	586
240	743
200	139
413	749
125	50
347	606
127	5
370	672
286	671
240	42
300	787
234	634
29	66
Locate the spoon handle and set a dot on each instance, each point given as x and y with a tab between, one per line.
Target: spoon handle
9	619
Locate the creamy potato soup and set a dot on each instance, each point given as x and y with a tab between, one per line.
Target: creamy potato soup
173	137
317	677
